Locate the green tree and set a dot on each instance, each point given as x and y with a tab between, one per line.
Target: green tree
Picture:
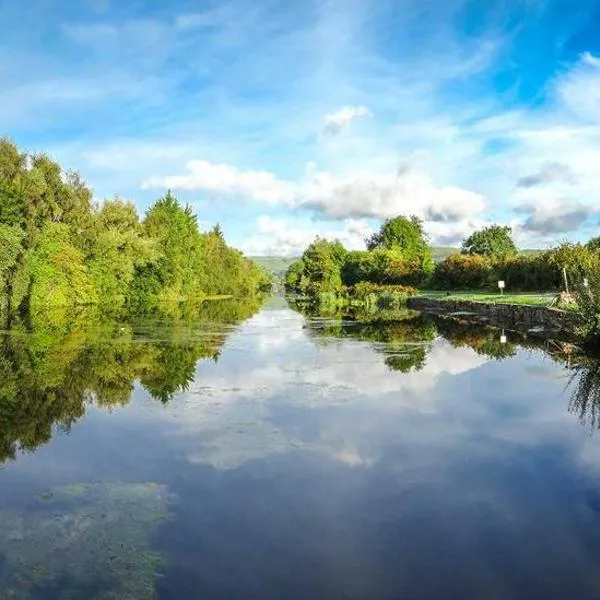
408	259
323	260
116	247
59	250
293	276
594	244
492	241
574	261
400	233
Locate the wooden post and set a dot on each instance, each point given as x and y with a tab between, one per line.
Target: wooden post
565	279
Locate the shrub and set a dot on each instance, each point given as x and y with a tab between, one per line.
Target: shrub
464	271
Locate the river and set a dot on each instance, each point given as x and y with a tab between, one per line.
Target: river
276	455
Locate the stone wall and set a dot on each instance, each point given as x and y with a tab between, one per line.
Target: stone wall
547	322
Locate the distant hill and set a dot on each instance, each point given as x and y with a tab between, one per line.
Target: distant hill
277	265
441	252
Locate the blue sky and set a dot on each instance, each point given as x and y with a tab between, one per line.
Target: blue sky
283	120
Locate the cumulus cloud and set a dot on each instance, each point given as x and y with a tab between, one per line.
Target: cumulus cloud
380	195
227	179
549	173
360	196
290	237
559	216
336	121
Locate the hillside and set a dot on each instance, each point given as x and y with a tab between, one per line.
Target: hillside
277	265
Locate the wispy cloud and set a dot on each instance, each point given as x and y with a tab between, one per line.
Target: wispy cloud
233	101
336	121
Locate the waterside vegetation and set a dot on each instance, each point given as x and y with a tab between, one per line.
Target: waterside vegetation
59	248
398	264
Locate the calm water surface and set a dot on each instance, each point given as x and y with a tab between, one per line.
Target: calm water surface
285	456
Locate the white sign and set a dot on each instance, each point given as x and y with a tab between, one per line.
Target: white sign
586	283
501	285
503	339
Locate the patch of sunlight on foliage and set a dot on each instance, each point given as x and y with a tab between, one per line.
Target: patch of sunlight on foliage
88	541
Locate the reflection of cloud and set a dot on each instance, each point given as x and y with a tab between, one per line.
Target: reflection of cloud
232	411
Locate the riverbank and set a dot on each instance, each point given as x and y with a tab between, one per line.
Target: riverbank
542	321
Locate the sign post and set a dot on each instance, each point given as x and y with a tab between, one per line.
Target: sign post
501	286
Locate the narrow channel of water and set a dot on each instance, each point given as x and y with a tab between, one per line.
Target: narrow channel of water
293	456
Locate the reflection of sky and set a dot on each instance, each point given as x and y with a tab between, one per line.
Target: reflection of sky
312	470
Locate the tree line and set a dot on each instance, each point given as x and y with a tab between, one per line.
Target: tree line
60	248
399	255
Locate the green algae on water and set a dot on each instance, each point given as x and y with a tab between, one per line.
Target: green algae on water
89	541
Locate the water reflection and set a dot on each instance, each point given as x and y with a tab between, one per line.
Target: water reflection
49	374
406	337
296	456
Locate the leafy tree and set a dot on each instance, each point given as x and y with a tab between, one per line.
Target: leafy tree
12	205
59	250
409	259
594	244
293	276
323	260
115	248
493	241
574	261
400	233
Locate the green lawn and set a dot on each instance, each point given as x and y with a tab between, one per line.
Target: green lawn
474	296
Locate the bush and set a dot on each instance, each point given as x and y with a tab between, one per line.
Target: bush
521	273
459	271
529	273
384	267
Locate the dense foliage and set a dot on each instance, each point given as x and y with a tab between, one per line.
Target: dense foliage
398	255
494	240
58	248
544	271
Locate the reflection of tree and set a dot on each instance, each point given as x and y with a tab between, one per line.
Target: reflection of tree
585	397
48	375
403	336
483	340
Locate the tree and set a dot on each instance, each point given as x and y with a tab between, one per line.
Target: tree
293	276
402	234
404	254
493	241
323	262
594	244
574	261
60	250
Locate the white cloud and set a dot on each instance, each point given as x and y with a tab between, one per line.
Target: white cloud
384	195
227	179
339	119
362	195
579	88
290	237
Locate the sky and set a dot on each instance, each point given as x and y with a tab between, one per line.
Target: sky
283	120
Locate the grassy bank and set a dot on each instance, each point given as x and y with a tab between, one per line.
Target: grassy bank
531	299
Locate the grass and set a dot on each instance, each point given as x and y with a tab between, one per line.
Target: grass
474	296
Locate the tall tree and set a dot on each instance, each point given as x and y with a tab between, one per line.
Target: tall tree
493	241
